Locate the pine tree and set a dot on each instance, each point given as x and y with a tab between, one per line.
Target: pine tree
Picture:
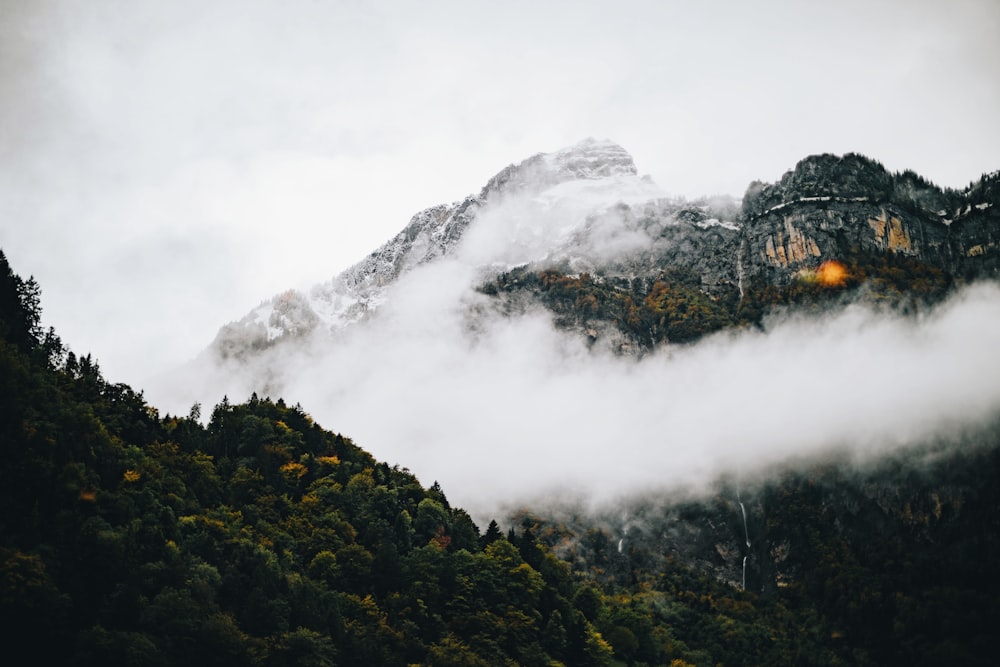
491	535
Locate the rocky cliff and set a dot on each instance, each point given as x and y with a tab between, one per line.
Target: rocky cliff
829	207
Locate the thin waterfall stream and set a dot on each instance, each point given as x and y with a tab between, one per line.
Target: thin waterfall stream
746	534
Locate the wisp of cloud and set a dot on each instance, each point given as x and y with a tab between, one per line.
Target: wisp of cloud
503	408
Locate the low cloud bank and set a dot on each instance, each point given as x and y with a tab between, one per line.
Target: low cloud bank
500	409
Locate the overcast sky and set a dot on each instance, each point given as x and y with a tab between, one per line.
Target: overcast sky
164	167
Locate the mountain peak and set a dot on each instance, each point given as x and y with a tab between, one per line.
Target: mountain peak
593	158
587	160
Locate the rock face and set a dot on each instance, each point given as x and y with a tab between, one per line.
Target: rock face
830	206
976	228
585	209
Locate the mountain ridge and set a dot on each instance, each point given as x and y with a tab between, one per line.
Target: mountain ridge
826	207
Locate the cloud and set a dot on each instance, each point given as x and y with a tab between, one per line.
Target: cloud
577	217
499	409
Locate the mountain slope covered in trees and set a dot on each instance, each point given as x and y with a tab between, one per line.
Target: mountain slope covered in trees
138	539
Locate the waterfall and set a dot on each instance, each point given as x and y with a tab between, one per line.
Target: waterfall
746	534
739	265
621	542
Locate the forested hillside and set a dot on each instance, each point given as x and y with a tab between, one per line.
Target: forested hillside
253	536
132	538
635	315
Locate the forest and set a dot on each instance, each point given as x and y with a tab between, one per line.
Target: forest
251	535
673	306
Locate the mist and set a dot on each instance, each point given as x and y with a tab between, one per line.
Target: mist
164	167
502	410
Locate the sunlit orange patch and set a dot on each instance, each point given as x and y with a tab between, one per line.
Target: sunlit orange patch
88	495
831	273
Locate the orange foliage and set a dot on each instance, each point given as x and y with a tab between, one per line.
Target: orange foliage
832	273
440	540
293	470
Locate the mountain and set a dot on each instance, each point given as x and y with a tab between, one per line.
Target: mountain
584	206
584	210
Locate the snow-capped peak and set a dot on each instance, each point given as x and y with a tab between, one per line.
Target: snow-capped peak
588	160
592	158
588	173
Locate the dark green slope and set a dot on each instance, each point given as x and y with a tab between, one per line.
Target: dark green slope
893	562
129	538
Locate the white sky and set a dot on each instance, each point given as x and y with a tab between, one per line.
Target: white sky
164	167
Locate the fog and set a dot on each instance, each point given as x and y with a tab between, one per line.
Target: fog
166	166
502	410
